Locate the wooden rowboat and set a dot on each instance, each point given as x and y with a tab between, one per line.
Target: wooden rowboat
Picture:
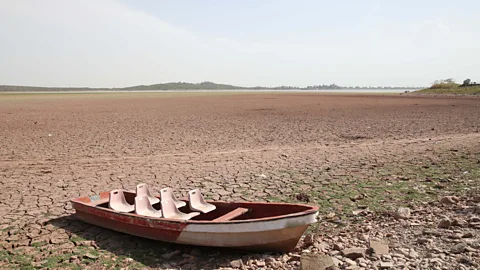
241	225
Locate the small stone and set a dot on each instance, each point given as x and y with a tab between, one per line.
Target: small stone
350	262
260	263
386	257
90	256
432	232
465	260
362	262
94	245
470	249
269	260
236	263
303	197
364	237
321	246
444	223
313	261
474	220
467	235
403	213
73	258
336	261
386	265
338	246
458	222
276	265
86	243
294	257
436	261
273	263
458	248
378	247
128	260
353	253
330	215
456	236
449	200
308	240
357	212
413	254
424	240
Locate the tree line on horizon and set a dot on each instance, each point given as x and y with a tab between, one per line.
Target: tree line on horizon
186	86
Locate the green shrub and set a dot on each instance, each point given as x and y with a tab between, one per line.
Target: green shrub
444	85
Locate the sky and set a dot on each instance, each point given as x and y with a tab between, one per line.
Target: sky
118	43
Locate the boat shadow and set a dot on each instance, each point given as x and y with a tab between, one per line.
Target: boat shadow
149	253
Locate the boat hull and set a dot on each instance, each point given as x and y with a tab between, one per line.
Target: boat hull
280	234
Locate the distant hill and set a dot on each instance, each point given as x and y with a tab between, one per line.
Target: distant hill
184	86
161	86
179	86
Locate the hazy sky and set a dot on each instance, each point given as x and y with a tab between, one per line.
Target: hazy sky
108	43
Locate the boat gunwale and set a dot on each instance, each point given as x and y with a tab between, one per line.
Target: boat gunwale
310	210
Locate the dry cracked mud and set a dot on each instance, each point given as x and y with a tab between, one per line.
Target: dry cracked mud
358	157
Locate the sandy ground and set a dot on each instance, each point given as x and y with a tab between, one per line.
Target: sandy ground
234	147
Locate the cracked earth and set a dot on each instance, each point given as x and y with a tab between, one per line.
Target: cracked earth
358	157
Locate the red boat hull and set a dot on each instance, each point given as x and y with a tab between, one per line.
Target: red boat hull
257	230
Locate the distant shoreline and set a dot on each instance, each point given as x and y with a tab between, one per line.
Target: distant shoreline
203	86
347	90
